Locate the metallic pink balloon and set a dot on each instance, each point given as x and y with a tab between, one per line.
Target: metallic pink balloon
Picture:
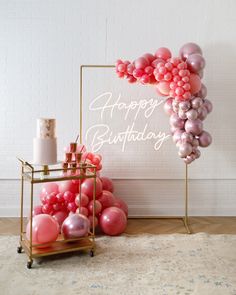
177	135
195	142
176	121
196	63
182	114
208	105
192	114
184	105
75	226
202	113
197	153
196	102
205	139
187	49
168	106
203	92
188	160
187	137
185	149
194	126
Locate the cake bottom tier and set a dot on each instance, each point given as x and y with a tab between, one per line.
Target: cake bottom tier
45	151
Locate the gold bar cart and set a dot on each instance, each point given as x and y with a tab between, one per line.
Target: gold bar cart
31	174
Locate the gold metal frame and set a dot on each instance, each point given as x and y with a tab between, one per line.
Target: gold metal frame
185	218
61	245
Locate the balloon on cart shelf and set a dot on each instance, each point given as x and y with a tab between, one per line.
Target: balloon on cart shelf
75	226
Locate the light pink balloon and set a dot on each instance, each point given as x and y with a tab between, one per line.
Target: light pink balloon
184	105
195	83
163	87
196	63
203	92
119	203
202	113
107	184
45	229
150	57
176	121
182	114
68	185
141	63
168	106
163	53
189	48
107	199
113	221
205	139
196	102
192	114
187	137
185	149
177	135
208	105
194	126
75	226
48	188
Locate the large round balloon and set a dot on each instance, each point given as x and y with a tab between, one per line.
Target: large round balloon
189	48
75	226
88	185
106	199
107	184
45	229
113	221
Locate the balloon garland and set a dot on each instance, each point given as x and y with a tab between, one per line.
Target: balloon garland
179	78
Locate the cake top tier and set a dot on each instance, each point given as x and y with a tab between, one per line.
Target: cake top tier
46	128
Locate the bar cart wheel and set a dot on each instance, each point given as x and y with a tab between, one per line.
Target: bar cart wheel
19	249
91	253
29	264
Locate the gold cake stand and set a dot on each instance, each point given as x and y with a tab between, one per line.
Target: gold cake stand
33	175
185	217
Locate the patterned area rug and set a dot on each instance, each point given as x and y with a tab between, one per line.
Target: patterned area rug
144	264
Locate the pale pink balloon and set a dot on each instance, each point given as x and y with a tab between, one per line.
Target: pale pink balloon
107	184
81	201
97	205
195	142
187	137
208	105
203	92
205	139
184	105
195	62
122	205
163	87
141	63
177	135
168	106
192	114
157	61
37	210
189	48
75	226
113	221
150	57
49	187
182	114
202	113
196	102
60	216
68	185
194	126
107	199
195	83
45	229
176	121
163	53
88	185
82	210
185	149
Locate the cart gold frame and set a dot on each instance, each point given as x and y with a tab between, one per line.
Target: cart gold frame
61	245
185	218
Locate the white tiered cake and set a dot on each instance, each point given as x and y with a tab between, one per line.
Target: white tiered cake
45	144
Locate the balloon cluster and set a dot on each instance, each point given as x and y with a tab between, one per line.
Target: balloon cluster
72	209
179	78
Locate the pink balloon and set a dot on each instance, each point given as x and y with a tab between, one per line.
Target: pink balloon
185	149
168	106
192	114
141	63
82	210
176	121
187	49
187	137
177	135
37	210
150	57
202	113
87	187
45	229
47	209
208	105
107	184
90	218
72	207
107	199
196	63
69	196
82	200
113	221
49	187
196	102
97	205
203	92
163	87
119	203
194	127
163	53
205	139
60	216
75	226
195	83
68	185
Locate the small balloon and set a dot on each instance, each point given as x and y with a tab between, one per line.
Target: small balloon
75	226
194	126
196	63
202	92
185	149
190	48
176	121
208	105
163	53
192	114
205	139
195	83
